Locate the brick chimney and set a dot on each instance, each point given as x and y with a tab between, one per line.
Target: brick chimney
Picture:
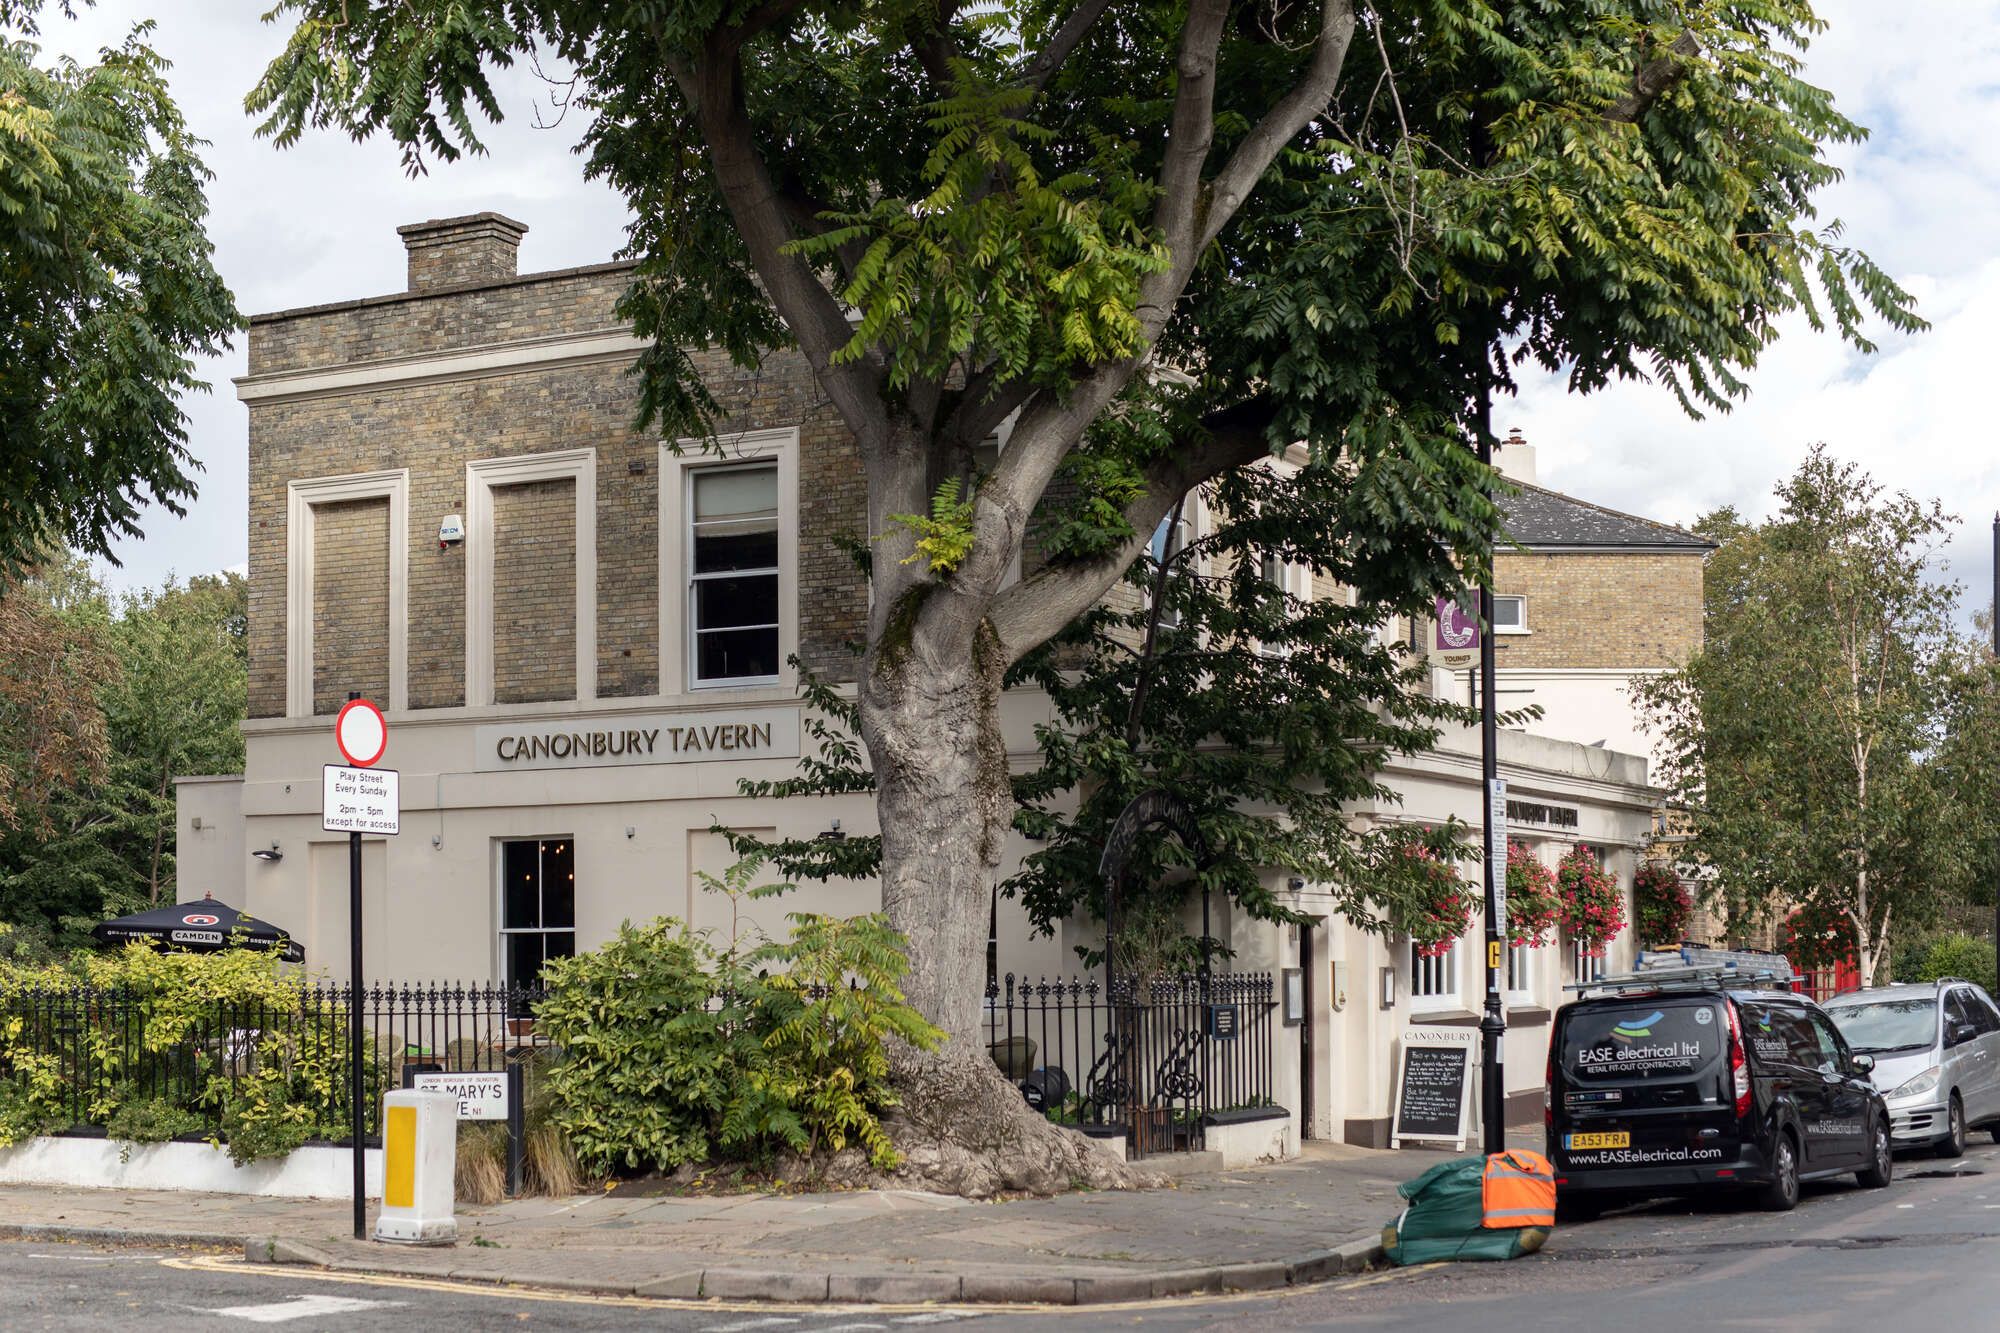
458	252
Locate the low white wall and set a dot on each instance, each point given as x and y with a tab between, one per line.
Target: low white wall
1248	1142
308	1173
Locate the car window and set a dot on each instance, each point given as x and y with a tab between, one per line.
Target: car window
1779	1036
1955	1012
1642	1039
1830	1057
1887	1025
1983	1011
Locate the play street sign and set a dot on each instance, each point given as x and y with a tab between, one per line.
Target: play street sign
360	800
361	733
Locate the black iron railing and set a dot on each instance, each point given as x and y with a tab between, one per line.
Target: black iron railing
80	1054
1153	1059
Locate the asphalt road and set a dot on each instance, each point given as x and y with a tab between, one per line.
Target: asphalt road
1923	1254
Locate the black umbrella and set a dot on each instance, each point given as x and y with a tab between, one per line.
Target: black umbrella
202	927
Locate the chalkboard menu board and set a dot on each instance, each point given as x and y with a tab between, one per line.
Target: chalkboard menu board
1431	1086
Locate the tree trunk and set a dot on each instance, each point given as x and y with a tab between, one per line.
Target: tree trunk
931	721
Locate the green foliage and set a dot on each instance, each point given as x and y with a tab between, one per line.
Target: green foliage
675	1052
1421	892
548	1161
109	293
1825	746
1957	954
944	538
263	1086
1534	904
169	699
1662	907
1593	909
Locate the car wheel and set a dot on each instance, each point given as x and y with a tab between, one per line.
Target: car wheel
1782	1194
1881	1163
1954	1139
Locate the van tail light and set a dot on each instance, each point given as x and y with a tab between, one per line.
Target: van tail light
1549	1090
1739	1068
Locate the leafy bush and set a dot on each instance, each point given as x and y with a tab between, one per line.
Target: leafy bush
1957	955
548	1161
674	1052
176	1042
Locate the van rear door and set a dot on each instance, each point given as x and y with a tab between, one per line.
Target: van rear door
1645	1083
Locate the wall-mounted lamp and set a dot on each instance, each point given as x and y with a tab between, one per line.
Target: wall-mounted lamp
270	854
1388	988
630	831
1296	884
833	834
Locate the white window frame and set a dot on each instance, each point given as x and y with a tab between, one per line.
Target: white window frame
1519	965
1452	997
1585	969
678	460
501	930
482	477
691	579
1500	597
1295	581
301	500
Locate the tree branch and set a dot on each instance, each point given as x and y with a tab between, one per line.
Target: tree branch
1307	99
1652	79
1026	614
810	311
1190	134
1044	67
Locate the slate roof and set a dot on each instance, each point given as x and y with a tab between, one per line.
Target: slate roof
1540	519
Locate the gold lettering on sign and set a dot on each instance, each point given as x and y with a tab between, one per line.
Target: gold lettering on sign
633	742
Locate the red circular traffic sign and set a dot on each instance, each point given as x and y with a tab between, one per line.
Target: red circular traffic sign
361	733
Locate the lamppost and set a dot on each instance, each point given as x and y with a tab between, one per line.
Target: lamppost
1493	1022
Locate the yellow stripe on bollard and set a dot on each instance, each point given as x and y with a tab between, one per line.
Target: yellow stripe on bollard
399	1157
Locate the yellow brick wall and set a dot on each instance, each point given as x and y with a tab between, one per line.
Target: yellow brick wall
1605	611
350	603
534	591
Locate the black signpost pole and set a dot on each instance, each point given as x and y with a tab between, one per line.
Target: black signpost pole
1493	1023
354	1027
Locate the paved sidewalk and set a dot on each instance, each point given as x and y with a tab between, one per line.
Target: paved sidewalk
1251	1229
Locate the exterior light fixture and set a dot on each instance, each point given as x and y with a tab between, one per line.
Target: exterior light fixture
270	855
1388	988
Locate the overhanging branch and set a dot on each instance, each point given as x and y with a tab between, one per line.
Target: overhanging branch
1653	78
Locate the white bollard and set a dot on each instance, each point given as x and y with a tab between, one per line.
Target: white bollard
419	1156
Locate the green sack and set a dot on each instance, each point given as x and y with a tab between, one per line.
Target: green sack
1445	1216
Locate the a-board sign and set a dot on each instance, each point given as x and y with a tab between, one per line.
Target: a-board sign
480	1096
361	800
1434	1086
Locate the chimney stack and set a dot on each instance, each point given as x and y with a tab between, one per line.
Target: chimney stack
1516	458
460	252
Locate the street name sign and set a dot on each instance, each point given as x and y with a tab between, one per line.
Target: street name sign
479	1096
360	800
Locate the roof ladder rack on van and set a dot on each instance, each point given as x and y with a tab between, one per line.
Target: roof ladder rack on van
1689	978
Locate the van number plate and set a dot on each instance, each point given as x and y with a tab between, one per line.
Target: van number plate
1621	1139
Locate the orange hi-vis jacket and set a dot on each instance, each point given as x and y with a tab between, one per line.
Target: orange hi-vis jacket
1518	1189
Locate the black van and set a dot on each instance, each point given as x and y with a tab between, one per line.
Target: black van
1666	1085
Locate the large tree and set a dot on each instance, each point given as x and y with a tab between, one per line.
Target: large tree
107	292
1805	744
163	696
1250	224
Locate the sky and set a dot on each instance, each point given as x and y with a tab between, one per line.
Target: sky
317	223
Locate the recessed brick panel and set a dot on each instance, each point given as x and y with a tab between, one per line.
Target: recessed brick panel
534	591
350	602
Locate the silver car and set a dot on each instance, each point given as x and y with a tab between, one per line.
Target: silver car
1936	1046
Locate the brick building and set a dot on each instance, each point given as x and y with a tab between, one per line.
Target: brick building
580	635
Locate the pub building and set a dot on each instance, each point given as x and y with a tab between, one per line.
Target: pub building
581	638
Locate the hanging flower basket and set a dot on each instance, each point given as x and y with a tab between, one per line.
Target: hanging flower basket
1662	907
1534	907
1591	911
1426	897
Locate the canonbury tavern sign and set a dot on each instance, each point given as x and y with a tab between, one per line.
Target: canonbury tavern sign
664	738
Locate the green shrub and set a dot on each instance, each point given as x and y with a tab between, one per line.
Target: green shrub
1957	955
674	1052
548	1161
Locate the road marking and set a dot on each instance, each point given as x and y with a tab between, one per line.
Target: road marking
76	1258
848	1328
934	1317
300	1307
750	1324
